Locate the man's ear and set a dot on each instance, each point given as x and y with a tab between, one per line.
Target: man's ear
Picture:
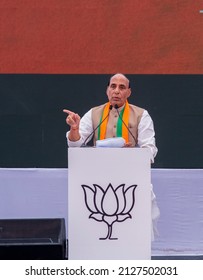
107	91
129	92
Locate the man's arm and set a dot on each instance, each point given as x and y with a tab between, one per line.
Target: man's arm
80	129
146	134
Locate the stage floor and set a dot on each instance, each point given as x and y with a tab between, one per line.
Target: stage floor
43	193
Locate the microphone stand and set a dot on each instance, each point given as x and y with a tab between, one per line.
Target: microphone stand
116	107
92	133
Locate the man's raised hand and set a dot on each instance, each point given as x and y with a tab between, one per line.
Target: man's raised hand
73	119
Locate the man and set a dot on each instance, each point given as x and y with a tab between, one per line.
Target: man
136	126
138	120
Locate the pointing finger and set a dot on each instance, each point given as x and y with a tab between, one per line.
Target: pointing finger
68	111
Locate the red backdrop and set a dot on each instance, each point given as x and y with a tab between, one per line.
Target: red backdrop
101	36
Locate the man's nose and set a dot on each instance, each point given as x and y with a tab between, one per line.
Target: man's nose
117	90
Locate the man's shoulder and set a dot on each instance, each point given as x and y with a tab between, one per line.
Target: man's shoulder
137	108
99	107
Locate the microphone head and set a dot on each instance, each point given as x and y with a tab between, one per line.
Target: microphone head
116	106
110	107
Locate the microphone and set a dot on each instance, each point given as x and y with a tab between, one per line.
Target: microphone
92	133
116	107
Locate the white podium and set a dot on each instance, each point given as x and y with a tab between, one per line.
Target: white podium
109	203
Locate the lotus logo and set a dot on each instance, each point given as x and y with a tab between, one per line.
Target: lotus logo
109	206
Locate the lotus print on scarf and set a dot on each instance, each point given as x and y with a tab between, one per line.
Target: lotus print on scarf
109	206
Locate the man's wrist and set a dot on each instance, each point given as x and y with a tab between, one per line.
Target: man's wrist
74	128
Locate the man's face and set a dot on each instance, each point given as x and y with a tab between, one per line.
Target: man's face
118	90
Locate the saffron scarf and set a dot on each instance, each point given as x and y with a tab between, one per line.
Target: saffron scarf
122	130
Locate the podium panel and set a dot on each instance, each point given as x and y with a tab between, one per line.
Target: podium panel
109	200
